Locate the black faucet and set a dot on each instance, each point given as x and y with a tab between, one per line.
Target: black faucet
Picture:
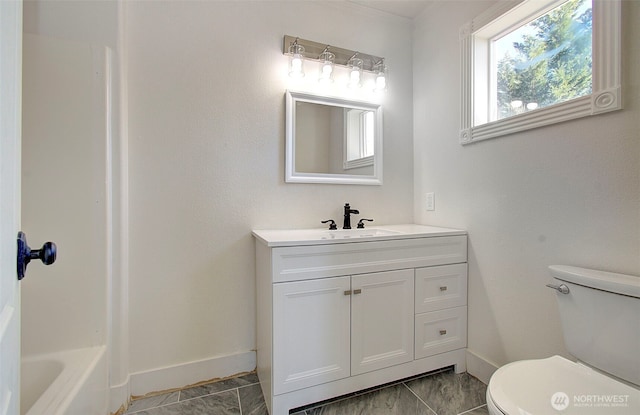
347	216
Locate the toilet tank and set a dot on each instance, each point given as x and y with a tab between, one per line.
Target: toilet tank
601	319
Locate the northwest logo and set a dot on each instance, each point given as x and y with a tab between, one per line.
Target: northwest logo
560	401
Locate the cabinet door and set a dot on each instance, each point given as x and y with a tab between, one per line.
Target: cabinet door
382	320
310	333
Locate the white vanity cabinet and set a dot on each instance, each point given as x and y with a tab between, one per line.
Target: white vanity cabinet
327	329
340	312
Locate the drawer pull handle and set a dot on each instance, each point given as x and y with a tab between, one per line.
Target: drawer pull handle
358	291
443	288
443	332
348	292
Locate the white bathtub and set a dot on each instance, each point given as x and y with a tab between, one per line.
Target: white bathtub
65	383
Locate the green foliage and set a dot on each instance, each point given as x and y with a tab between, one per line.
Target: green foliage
552	61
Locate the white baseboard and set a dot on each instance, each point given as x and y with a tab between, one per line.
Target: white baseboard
118	396
479	367
184	374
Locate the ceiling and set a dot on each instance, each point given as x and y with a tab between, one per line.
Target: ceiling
404	8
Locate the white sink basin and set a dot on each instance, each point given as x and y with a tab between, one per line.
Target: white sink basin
357	233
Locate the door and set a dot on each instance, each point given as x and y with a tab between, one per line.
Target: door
10	131
382	317
310	333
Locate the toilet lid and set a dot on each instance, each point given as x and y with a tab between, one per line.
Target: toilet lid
558	386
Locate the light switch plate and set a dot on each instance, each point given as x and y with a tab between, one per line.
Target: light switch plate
431	201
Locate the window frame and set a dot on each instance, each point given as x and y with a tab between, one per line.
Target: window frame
474	43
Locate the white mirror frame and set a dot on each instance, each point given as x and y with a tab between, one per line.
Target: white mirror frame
293	176
606	95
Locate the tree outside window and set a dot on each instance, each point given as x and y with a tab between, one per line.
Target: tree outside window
547	61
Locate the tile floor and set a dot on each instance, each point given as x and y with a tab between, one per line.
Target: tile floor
440	393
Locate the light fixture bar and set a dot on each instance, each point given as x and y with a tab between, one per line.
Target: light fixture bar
313	50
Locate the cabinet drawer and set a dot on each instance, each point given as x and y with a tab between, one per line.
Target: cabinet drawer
440	331
441	287
309	262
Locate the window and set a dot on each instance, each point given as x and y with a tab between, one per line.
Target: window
538	63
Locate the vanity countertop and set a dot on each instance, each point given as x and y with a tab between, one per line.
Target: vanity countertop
323	236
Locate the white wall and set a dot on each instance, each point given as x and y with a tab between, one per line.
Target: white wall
206	103
564	194
64	194
94	22
98	23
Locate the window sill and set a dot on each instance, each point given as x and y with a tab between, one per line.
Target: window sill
593	104
356	163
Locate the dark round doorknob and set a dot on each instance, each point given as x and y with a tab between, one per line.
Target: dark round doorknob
47	254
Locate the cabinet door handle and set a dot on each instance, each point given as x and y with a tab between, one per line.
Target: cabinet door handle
358	291
348	292
443	288
443	332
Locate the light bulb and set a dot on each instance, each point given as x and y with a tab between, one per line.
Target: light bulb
296	69
354	79
381	76
355	65
326	74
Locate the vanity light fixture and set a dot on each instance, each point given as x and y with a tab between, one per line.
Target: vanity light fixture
327	59
362	69
296	60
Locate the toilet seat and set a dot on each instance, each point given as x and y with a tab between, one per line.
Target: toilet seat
529	386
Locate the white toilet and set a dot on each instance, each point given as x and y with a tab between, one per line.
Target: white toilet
600	314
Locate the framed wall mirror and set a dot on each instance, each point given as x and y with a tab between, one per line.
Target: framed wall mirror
332	140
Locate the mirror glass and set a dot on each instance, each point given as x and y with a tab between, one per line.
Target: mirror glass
331	140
